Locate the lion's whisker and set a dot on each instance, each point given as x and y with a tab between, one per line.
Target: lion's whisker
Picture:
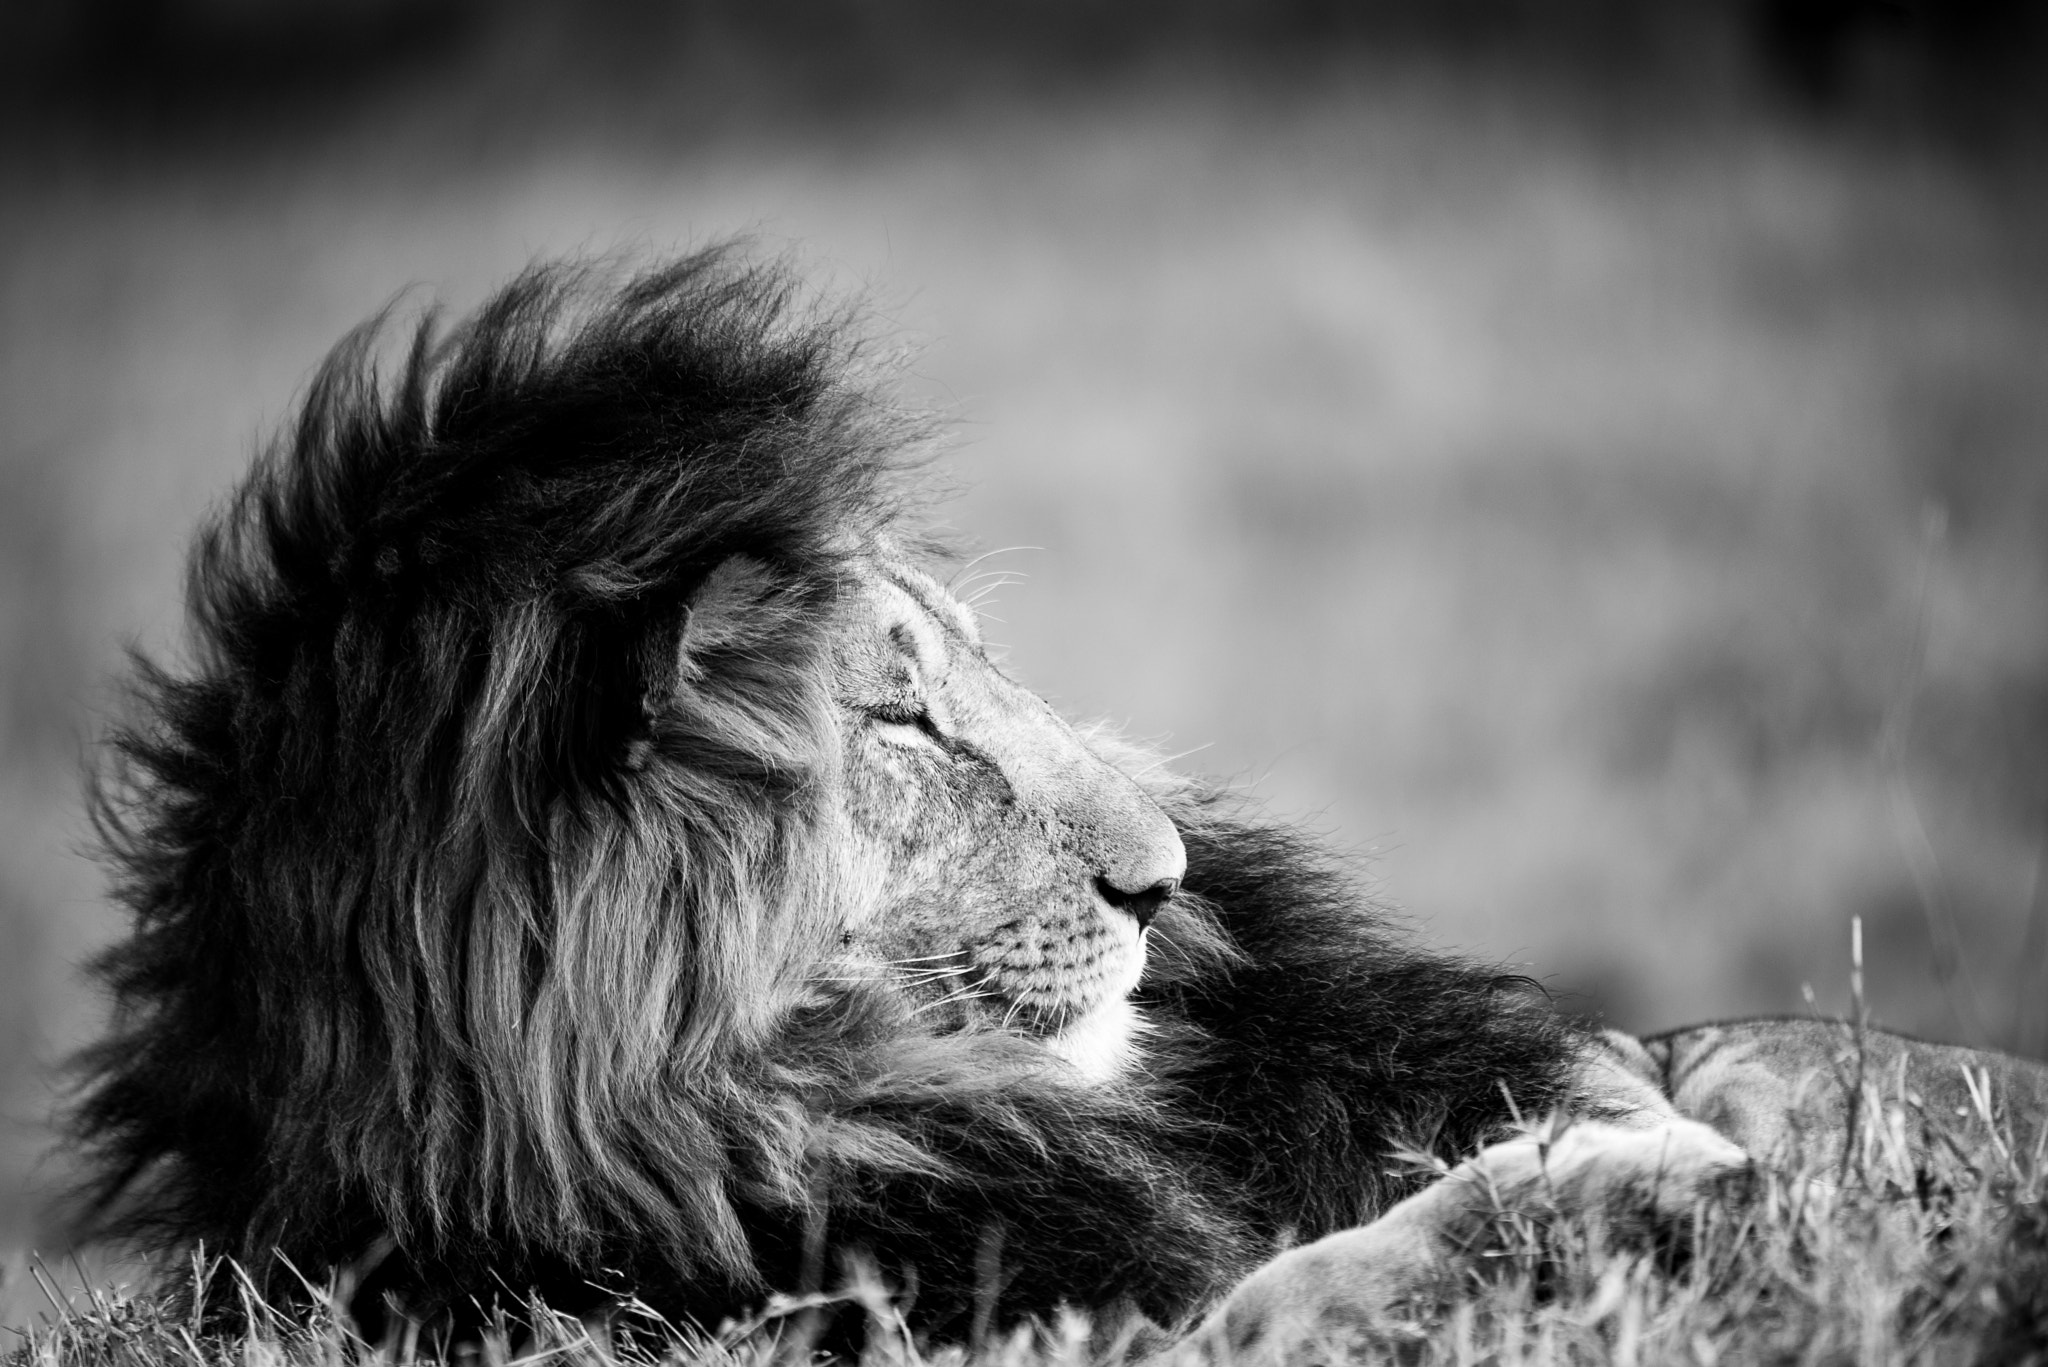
1162	761
995	584
987	555
992	580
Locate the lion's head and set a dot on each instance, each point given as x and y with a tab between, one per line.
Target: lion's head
586	801
1013	870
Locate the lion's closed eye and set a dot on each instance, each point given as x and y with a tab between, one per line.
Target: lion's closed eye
909	725
903	714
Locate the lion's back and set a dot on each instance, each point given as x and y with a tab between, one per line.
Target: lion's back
1781	1088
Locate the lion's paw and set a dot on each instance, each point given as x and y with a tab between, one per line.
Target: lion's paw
1610	1176
1316	1302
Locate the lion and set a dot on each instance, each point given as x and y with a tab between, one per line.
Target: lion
591	854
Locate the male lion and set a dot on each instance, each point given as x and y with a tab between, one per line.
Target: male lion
592	854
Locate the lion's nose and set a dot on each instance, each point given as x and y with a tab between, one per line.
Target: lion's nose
1142	905
1130	845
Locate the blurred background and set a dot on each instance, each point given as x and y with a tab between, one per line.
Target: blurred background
1589	459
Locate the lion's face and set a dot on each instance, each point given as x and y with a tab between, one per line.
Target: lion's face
1011	870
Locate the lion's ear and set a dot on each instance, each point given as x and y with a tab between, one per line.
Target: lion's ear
736	638
743	611
726	610
740	671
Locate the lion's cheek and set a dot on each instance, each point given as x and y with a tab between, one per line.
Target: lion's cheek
891	801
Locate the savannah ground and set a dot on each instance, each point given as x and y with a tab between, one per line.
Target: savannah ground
1597	477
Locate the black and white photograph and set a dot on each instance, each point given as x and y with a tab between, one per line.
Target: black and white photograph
1205	683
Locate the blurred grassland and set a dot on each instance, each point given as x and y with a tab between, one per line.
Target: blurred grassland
1624	528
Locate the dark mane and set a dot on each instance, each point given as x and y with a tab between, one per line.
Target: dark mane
471	948
428	629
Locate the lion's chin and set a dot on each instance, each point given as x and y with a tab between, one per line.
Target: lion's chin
1103	1044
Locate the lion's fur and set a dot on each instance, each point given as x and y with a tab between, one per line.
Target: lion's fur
476	883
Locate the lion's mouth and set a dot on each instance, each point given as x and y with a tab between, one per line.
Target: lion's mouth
1050	980
978	997
1082	1015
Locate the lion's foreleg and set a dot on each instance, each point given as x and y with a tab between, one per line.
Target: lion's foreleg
1309	1303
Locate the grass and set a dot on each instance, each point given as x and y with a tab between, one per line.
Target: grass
1900	1261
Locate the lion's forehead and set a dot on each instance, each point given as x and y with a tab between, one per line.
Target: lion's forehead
922	602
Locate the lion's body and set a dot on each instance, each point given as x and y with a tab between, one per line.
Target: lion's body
594	855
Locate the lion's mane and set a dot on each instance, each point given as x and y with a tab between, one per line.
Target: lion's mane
473	922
